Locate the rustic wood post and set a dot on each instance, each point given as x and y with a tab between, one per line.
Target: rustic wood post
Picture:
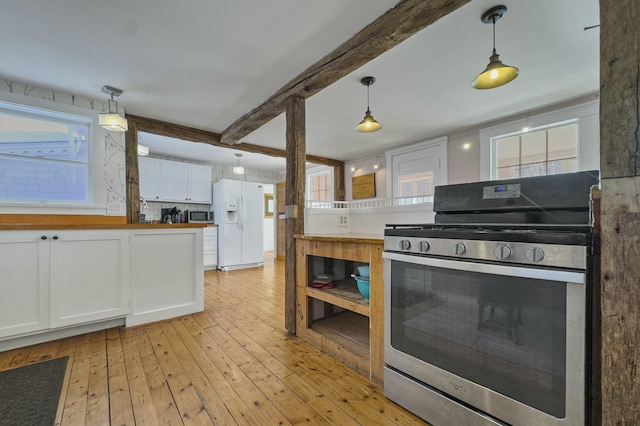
338	183
620	210
294	200
132	175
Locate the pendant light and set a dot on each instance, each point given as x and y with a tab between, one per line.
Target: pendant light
368	123
238	169
113	120
496	73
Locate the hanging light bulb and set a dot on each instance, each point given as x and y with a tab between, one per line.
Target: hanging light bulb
368	123
238	169
112	120
496	73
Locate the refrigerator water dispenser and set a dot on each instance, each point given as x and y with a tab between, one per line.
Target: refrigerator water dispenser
231	212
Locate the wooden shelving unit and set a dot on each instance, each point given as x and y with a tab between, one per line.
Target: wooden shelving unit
354	335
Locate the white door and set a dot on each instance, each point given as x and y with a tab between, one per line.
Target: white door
24	282
252	222
89	276
227	194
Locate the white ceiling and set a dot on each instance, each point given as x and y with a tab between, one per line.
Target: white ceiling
205	63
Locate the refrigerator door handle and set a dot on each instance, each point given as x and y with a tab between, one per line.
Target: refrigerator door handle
242	212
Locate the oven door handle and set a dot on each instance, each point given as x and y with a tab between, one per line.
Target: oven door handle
490	268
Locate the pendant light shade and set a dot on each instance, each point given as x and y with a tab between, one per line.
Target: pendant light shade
112	120
368	123
238	169
496	73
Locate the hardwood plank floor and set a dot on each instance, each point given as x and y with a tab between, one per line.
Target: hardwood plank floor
233	364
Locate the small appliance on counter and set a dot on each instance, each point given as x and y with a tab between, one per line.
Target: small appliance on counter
194	216
171	215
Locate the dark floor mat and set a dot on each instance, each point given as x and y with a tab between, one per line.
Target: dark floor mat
29	395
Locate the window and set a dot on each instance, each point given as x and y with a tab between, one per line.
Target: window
415	184
44	157
416	170
320	187
544	152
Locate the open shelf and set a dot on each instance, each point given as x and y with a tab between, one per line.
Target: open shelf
348	334
345	294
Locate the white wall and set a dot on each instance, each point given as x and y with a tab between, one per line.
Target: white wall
365	166
365	220
473	164
268	227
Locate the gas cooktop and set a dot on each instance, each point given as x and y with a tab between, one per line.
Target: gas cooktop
526	233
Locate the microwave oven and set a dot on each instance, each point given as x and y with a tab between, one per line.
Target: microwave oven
195	216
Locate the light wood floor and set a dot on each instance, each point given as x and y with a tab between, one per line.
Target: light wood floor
232	364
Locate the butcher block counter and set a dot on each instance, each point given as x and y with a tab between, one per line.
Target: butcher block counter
338	319
64	275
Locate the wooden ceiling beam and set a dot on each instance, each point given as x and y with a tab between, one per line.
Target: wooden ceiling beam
162	128
396	25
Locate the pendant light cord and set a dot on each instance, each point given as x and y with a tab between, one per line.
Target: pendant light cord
494	34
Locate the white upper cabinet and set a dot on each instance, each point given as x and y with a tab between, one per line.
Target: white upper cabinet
175	181
199	184
166	180
150	178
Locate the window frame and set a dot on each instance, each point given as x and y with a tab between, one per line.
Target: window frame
495	139
321	170
585	114
96	202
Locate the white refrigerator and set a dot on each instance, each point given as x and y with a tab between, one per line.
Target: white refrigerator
239	212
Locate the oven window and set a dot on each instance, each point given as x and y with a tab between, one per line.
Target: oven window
504	333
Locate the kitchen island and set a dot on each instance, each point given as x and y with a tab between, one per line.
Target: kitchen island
73	275
338	320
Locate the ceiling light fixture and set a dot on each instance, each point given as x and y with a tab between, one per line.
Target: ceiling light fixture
143	150
368	123
238	169
496	73
113	120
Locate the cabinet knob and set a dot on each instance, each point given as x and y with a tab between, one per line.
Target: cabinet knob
55	237
44	237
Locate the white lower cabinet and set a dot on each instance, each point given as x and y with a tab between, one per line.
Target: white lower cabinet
24	282
210	247
51	279
89	276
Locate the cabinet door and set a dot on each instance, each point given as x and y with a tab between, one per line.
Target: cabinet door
175	181
150	178
199	184
89	276
24	282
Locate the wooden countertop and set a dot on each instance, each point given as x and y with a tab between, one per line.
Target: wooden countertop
351	238
80	226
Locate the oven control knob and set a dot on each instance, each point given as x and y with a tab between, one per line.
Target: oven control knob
459	249
502	252
423	246
405	244
534	254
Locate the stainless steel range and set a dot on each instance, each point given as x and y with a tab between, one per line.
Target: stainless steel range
486	309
